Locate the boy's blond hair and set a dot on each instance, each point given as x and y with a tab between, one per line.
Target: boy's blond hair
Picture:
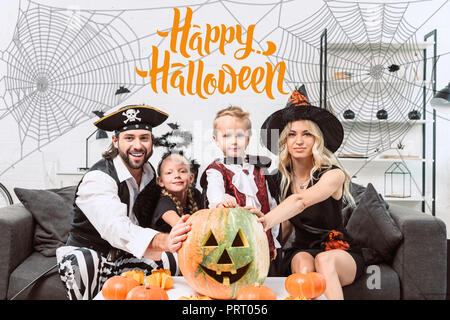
236	112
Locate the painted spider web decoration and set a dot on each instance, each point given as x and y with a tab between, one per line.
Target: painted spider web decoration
64	64
374	65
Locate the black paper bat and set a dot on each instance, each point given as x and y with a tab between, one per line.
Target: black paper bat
173	126
121	90
99	114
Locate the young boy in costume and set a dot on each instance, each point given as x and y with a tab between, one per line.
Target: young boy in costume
237	179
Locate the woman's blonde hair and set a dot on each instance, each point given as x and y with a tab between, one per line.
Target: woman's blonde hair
322	159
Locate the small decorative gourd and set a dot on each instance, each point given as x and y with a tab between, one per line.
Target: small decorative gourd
147	292
117	287
308	285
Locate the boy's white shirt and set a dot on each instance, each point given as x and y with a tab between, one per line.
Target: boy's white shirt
244	183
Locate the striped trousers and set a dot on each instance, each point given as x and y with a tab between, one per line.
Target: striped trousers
83	271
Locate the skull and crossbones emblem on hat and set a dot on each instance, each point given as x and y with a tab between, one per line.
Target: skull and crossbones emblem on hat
131	115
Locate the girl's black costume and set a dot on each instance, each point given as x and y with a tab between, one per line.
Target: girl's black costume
165	203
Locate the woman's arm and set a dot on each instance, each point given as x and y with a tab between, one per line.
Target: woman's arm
329	183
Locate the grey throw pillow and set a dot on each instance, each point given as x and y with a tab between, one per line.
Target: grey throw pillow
53	211
356	191
373	228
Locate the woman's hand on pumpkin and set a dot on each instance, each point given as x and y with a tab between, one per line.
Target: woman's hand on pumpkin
179	233
254	211
261	217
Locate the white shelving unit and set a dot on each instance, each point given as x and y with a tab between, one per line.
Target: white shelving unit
335	47
371	169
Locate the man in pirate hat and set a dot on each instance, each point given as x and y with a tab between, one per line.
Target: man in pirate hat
107	234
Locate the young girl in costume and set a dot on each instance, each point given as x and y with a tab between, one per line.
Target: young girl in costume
178	196
311	190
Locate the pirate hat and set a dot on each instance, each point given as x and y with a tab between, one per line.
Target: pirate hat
299	108
132	117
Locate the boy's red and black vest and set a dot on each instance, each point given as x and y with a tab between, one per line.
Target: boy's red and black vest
230	189
84	234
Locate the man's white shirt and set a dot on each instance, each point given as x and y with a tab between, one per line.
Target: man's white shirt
99	200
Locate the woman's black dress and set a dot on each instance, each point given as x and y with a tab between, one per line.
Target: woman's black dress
311	226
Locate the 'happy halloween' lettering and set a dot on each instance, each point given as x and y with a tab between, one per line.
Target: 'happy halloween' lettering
190	78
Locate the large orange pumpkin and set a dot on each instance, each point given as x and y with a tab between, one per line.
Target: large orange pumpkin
256	292
225	251
308	285
117	287
147	292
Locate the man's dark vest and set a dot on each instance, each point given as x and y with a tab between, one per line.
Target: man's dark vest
83	233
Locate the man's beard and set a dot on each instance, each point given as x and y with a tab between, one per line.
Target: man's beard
125	157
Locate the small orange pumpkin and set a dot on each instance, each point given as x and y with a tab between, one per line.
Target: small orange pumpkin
256	292
309	285
137	275
117	287
147	292
160	278
296	298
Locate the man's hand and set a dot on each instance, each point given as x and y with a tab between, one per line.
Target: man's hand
178	233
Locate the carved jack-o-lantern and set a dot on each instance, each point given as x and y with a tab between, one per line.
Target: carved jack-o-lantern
225	251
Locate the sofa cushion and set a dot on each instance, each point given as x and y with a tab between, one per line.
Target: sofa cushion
356	191
378	282
373	228
49	287
53	210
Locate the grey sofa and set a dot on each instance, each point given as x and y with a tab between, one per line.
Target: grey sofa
21	264
418	269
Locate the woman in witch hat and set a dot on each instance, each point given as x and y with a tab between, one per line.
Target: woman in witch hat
311	188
